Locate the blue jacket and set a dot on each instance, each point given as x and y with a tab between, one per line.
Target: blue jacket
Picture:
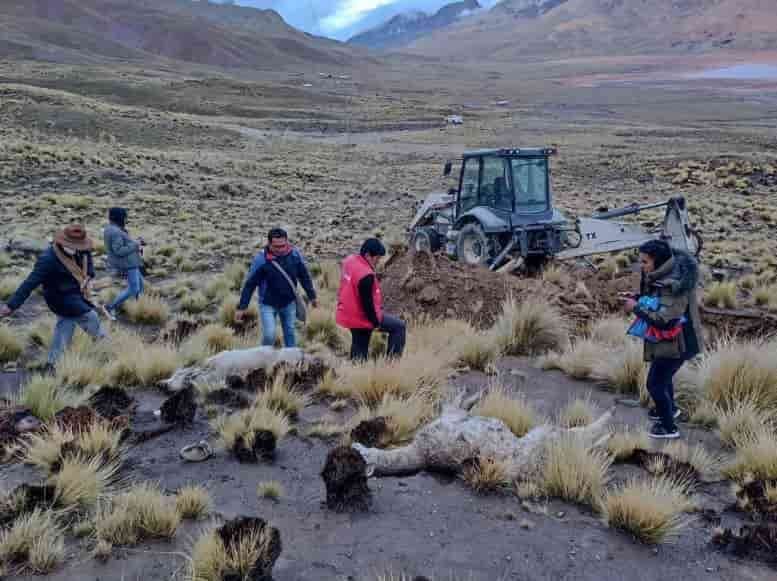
274	290
60	288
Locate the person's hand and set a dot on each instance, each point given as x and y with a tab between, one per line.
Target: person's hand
5	311
141	241
314	303
629	305
239	316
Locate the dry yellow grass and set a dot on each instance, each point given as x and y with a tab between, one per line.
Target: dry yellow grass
44	398
650	509
210	559
476	349
577	361
578	412
79	371
260	417
740	420
736	372
704	462
8	286
148	309
43	449
280	396
487	475
194	303
404	416
322	328
228	308
622	443
206	342
531	327
513	409
139	513
193	502
35	540
11	344
722	295
609	331
756	457
140	364
575	472
82	482
623	370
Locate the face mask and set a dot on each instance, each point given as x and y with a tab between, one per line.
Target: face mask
69	251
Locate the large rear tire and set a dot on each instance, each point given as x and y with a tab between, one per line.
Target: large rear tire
473	246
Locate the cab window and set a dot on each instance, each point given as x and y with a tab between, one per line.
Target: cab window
495	191
469	184
530	178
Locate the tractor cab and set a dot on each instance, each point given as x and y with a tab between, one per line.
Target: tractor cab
513	184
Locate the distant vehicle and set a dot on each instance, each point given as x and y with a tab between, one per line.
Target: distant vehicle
454	120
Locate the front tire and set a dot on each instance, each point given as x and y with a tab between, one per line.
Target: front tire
473	246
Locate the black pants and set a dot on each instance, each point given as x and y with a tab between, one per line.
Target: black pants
397	333
660	384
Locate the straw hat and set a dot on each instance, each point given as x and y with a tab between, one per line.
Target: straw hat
74	236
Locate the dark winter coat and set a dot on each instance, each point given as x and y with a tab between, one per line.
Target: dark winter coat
274	290
60	289
123	252
675	283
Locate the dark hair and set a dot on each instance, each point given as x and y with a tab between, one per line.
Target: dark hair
277	233
118	216
658	250
373	247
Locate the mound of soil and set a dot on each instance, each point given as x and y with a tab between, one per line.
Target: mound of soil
345	479
111	402
421	285
180	408
76	419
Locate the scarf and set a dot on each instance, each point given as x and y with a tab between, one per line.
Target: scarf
79	272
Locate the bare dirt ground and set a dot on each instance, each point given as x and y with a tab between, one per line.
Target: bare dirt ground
207	163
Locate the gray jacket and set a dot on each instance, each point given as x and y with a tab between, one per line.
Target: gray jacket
123	252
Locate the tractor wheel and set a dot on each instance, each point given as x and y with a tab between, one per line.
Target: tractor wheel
425	240
473	246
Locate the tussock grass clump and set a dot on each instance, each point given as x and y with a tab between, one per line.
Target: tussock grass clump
217	289
41	331
194	303
208	341
193	502
44	398
35	541
81	482
610	331
623	443
740	420
280	396
531	327
324	429
577	413
486	475
575	472
736	372
272	490
756	457
43	449
650	509
245	424
578	361
404	415
235	274
322	328
141	512
148	309
475	349
8	286
100	441
513	409
623	370
228	308
11	344
705	463
137	363
80	370
722	295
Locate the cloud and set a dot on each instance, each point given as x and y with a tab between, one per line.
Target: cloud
351	12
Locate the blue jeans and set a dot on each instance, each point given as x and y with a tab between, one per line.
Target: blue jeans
288	316
660	384
133	290
66	326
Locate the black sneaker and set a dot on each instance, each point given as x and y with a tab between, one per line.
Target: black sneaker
659	432
653	415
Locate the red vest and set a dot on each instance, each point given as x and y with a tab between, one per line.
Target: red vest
350	312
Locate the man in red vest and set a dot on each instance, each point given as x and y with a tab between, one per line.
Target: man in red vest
360	303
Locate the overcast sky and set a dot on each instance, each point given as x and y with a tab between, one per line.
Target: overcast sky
342	19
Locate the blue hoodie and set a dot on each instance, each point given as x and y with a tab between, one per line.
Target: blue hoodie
274	290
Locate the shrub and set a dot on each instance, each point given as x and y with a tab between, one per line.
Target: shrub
193	502
36	540
11	345
513	409
531	327
650	509
721	295
575	472
148	309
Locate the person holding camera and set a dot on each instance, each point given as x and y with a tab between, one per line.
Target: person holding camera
124	258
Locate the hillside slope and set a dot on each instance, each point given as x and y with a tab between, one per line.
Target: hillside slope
515	28
197	32
403	29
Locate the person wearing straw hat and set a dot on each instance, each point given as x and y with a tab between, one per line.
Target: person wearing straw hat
65	271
